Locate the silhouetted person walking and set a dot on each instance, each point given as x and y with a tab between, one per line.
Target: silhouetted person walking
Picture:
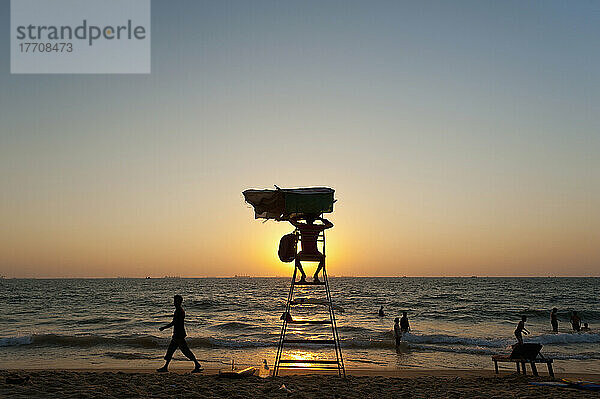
521	330
404	326
309	233
381	314
576	322
554	320
178	339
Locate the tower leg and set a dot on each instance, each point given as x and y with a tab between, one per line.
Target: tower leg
284	326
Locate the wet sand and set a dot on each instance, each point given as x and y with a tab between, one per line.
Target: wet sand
371	383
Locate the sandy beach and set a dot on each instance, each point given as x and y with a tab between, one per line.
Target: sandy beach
179	383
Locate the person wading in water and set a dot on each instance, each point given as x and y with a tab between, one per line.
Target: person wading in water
404	325
554	320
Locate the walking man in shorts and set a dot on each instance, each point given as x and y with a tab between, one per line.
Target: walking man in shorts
178	339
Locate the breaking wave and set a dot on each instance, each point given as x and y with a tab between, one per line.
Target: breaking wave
413	340
235	325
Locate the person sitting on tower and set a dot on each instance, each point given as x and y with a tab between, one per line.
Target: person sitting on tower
309	233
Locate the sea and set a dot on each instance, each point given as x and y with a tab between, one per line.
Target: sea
456	323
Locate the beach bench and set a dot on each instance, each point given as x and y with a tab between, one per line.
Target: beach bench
522	354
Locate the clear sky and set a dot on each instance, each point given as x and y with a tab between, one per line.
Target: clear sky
462	138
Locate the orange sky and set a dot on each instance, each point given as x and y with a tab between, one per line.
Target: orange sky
378	238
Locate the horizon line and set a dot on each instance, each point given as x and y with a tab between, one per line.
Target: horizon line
286	277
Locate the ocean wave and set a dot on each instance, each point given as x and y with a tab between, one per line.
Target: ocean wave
353	329
564	316
132	341
469	345
440	342
102	320
235	325
203	304
566	338
15	341
83	341
454	349
544	339
228	343
455	340
575	356
473	310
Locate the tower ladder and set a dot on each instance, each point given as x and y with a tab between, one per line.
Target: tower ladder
317	364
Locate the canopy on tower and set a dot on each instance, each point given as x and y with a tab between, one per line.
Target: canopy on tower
283	203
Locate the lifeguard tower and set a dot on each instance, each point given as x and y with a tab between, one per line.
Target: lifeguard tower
285	205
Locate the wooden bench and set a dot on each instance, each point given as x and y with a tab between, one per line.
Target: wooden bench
521	363
522	354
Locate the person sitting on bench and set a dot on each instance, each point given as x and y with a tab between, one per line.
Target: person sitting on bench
309	233
522	354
